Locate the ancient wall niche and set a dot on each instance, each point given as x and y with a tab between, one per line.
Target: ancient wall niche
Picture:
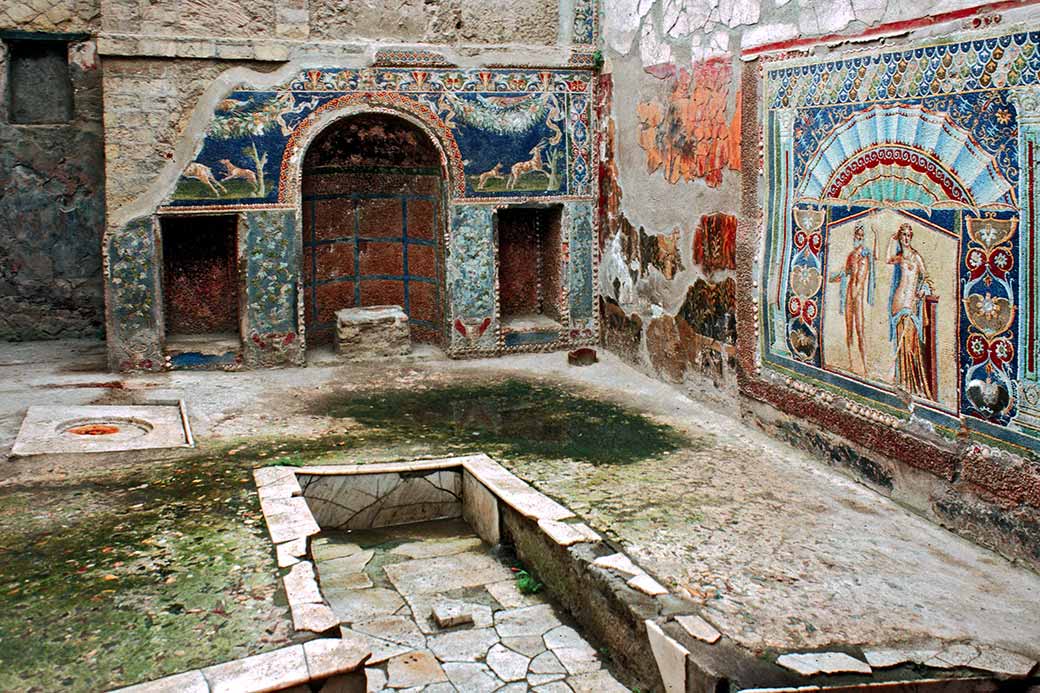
530	276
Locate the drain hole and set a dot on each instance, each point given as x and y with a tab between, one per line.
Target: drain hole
93	430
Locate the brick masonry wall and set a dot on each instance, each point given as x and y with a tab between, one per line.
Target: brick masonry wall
52	209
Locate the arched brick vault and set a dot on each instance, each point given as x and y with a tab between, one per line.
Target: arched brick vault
390	103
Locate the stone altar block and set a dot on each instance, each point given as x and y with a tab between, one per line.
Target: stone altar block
372	331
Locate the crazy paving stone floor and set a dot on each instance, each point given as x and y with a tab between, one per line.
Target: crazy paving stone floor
385	584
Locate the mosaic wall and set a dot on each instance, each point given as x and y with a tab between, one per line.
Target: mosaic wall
901	255
504	136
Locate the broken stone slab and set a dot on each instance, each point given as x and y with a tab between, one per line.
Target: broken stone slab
361	605
463	645
619	563
480	509
507	665
509	596
376	680
345	581
372	331
444	573
812	663
670	657
1003	662
566	534
647	585
332	656
576	655
698	628
414	669
345	565
513	491
291	552
546	663
452	614
188	682
286	489
326	549
397	629
528	620
270	671
300	585
270	476
527	645
316	618
433	549
472	677
542	679
953	657
597	682
381	650
293	525
886	657
422	606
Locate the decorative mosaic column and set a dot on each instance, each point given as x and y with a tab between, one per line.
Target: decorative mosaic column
269	245
579	222
470	270
782	160
1027	103
133	314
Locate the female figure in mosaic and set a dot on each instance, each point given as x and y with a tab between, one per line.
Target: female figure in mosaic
907	328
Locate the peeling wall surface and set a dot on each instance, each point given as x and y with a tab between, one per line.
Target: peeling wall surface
820	214
52	199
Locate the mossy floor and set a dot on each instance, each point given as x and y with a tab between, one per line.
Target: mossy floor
115	577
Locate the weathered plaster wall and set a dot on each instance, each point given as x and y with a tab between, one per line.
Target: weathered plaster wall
51	207
65	16
673	155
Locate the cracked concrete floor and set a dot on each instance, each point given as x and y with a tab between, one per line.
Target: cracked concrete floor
782	551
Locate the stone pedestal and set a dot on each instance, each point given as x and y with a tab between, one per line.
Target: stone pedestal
372	331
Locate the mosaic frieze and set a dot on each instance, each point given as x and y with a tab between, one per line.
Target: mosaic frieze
901	260
505	132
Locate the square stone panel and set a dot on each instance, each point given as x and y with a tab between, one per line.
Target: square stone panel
58	430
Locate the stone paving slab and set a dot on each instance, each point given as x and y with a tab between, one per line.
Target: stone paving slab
52	429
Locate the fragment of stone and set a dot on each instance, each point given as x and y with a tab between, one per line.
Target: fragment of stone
291	552
287	489
451	614
343	683
472	677
507	594
527	620
423	605
554	687
413	669
326	549
698	628
354	563
513	491
812	663
480	509
376	679
360	605
316	618
300	585
619	563
188	682
398	629
542	679
885	657
463	645
647	585
331	656
576	655
596	682
445	573
515	687
952	657
527	645
547	663
432	548
566	534
293	524
443	687
268	476
381	650
1003	662
269	671
507	665
344	581
670	657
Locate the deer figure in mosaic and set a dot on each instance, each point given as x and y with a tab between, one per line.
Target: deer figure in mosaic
495	172
535	163
203	173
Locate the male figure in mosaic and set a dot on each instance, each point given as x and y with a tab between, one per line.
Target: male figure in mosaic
907	328
857	279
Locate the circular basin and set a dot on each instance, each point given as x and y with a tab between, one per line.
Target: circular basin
108	428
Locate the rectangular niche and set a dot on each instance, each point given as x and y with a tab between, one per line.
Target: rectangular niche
530	274
200	283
